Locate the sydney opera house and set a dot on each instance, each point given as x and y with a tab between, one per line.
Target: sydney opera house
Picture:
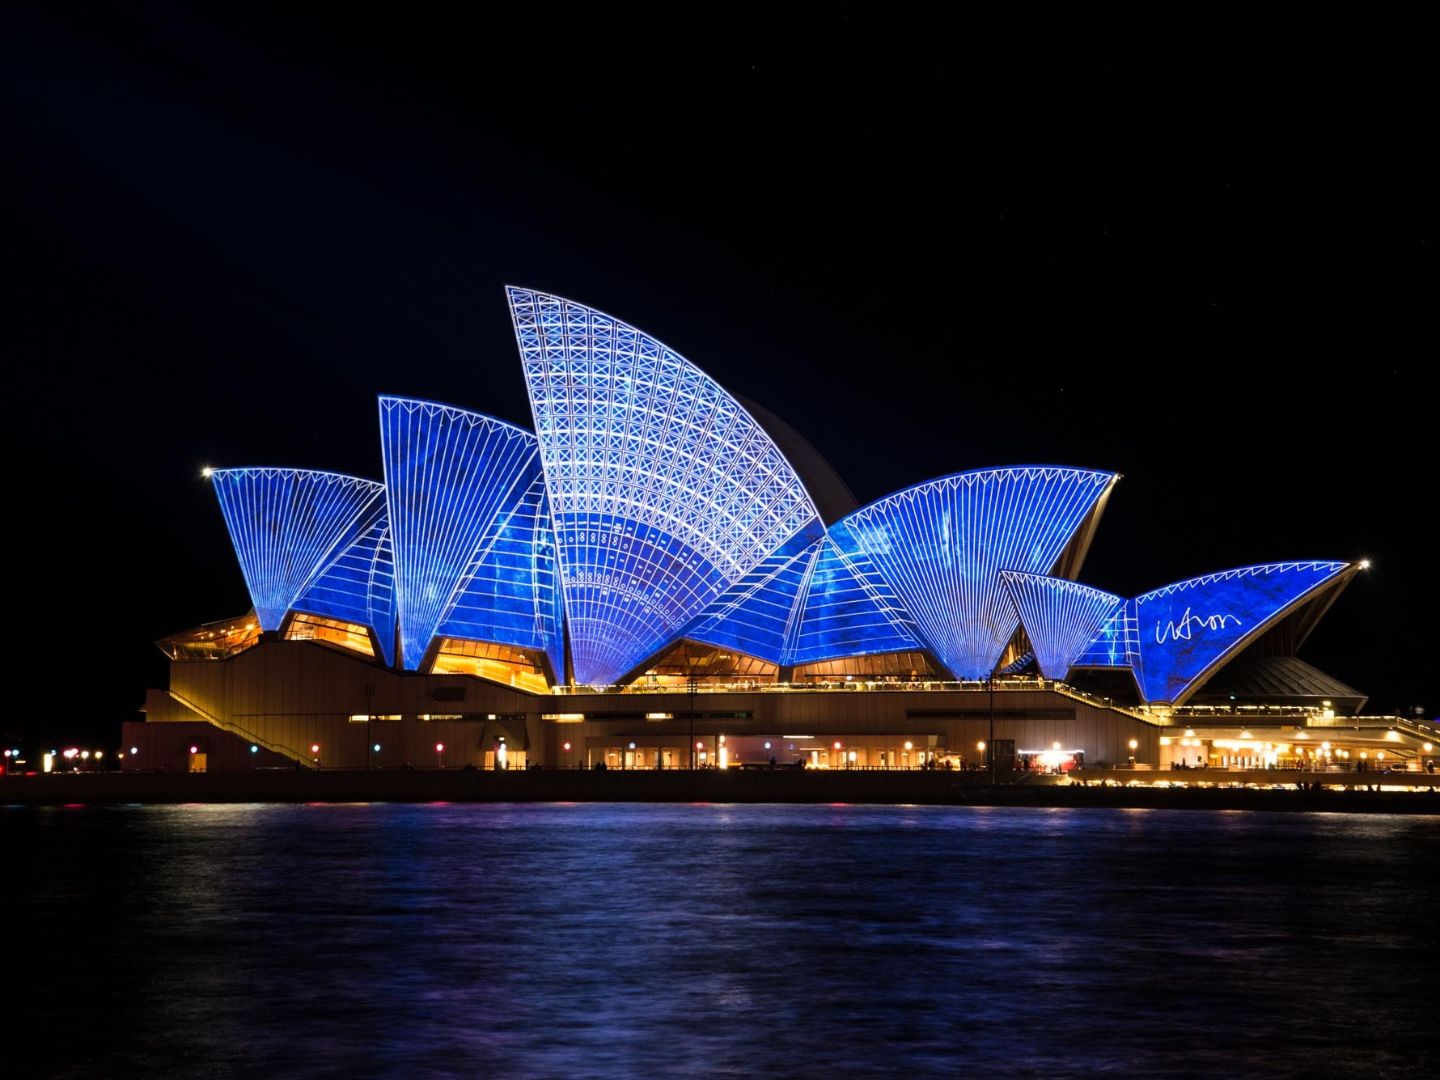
662	574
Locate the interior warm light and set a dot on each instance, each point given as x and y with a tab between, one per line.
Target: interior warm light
1189	732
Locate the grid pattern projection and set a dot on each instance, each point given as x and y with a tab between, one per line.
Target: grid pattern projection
509	593
758	614
449	474
942	545
1187	629
1060	617
359	584
664	490
849	610
285	525
1117	643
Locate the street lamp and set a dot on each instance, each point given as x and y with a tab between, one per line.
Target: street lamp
369	690
691	685
992	727
439	755
315	754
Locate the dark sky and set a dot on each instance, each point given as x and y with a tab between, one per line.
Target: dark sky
1194	247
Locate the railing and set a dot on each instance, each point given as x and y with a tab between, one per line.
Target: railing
1008	684
1417	728
244	733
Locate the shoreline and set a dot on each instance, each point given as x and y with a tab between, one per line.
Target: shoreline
682	786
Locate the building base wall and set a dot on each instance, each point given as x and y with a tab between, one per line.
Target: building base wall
316	705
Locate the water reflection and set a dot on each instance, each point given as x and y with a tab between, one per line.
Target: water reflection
584	940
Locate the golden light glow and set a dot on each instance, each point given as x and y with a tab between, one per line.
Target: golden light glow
564	717
347	635
485	660
212	641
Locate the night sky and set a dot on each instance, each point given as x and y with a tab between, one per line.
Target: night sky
1196	248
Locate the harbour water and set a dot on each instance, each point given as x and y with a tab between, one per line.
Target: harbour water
603	940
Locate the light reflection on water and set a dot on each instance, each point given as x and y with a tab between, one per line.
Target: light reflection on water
630	940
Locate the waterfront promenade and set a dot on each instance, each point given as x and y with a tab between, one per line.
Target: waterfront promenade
1102	788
